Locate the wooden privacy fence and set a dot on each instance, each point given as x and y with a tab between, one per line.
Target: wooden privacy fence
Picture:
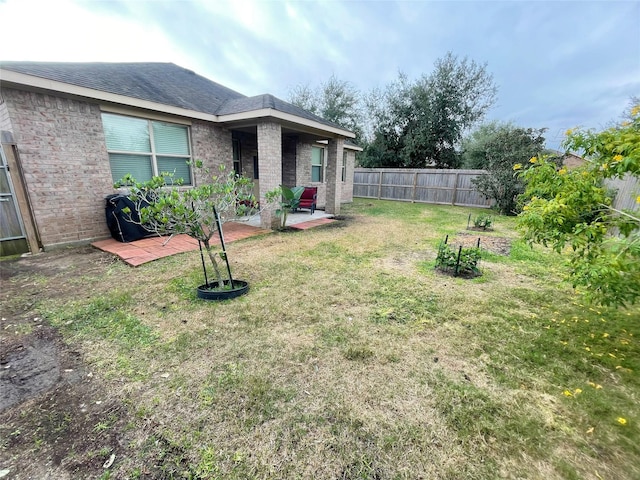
448	187
627	191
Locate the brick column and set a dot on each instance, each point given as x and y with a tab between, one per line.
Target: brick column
334	175
270	168
303	163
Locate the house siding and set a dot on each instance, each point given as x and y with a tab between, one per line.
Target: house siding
64	161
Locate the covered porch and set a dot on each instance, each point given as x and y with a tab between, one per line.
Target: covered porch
274	147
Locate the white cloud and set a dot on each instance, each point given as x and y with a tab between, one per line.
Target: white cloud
557	64
67	31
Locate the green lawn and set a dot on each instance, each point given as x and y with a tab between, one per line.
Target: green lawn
351	358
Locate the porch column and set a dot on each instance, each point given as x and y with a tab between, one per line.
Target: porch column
334	175
270	168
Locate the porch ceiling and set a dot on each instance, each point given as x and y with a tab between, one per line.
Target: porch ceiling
287	130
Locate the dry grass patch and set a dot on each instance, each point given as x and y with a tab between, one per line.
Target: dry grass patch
352	358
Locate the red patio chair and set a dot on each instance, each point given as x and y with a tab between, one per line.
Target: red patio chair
308	198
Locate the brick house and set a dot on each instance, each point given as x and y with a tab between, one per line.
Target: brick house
69	130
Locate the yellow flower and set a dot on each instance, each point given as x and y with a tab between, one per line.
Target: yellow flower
526	207
635	110
562	171
567	393
568	132
533	159
638	199
621	421
517	166
605	335
577	391
617	158
605	166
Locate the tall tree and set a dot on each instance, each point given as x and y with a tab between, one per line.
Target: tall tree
424	121
336	100
497	148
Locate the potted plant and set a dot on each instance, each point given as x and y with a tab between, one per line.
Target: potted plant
165	207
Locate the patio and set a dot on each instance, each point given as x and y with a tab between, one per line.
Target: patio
148	249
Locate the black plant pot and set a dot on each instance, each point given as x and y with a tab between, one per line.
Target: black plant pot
209	291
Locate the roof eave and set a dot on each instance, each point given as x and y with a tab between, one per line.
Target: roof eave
9	78
305	124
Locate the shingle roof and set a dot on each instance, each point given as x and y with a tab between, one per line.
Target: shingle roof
164	83
247	104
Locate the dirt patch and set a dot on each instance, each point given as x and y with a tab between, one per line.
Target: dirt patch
52	406
497	245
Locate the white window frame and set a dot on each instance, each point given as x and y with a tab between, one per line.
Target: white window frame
344	166
153	154
236	152
321	166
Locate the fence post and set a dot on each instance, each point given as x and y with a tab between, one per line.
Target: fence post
455	189
415	182
379	184
458	261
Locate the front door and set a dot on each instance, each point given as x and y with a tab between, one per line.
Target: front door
12	235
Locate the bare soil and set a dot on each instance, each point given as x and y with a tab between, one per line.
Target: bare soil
497	245
51	402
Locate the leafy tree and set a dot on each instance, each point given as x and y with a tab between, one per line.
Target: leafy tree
335	100
387	112
166	208
422	123
574	209
497	147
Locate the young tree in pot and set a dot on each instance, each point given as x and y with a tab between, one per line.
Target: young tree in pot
167	208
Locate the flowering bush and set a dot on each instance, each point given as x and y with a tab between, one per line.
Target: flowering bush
574	208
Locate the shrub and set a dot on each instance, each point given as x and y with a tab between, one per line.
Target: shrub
461	262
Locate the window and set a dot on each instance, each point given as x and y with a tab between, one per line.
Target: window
237	164
344	166
145	148
317	164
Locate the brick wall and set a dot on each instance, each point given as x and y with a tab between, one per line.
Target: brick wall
212	145
347	185
65	164
5	121
289	152
269	136
334	175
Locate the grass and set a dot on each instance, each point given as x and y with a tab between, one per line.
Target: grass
352	358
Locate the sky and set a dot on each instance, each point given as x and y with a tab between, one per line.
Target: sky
557	64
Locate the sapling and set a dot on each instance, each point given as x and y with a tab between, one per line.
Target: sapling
166	207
